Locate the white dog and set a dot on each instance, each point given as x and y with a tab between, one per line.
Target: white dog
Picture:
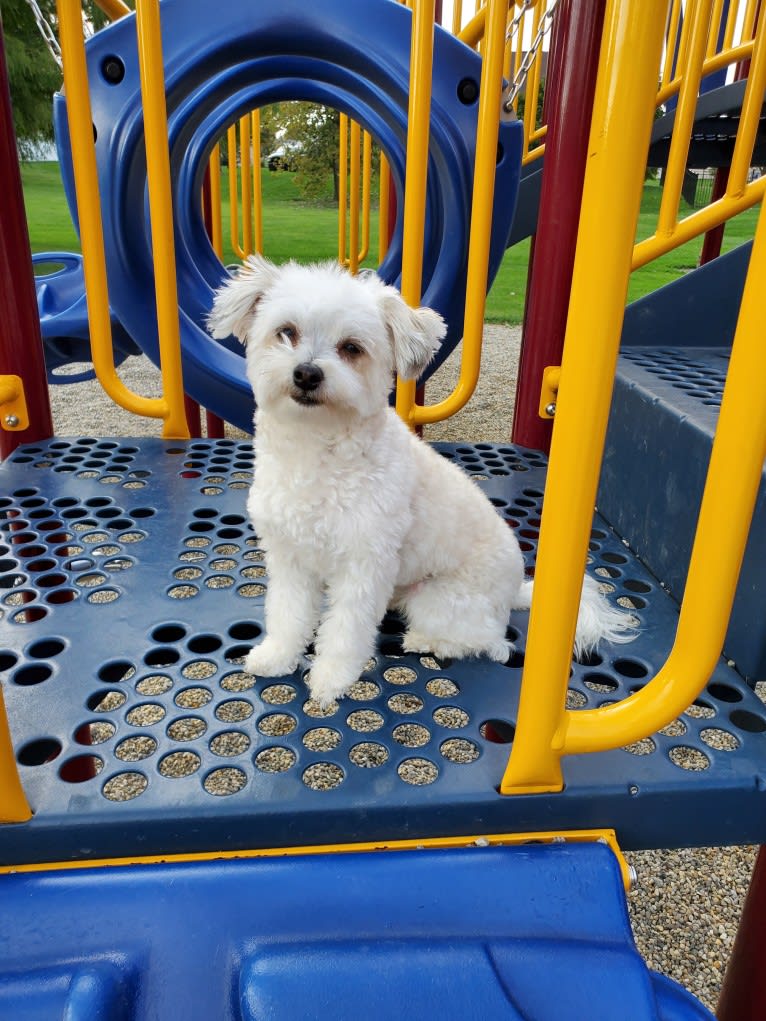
352	509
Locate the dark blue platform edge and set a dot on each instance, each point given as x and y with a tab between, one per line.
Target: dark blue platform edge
517	933
131	585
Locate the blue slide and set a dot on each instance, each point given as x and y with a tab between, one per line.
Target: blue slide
222	61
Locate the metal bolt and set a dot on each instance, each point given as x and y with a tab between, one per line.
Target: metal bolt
11	421
550	409
633	875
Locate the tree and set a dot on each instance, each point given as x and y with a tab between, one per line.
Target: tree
33	73
313	131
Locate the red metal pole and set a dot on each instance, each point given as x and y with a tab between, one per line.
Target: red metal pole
572	69
21	347
711	246
743	995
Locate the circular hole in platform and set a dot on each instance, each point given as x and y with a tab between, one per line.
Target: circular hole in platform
676	728
600	682
747	721
46	564
236	710
251	590
169	633
229	743
323	776
411	735
193	698
162	656
498	731
106	701
459	750
81	768
188	728
8	659
691	759
630	668
275	759
183	591
145	715
103	595
363	691
313	709
276	724
418	772
405	703
724	692
322	739
28	676
124	786
643	747
241	681
400	675
223	782
365	721
46	648
94	732
442	687
39	752
515	660
719	740
116	671
244	631
154	684
368	755
633	585
451	716
179	764
133	749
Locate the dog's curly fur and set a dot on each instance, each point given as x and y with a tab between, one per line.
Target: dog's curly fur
355	513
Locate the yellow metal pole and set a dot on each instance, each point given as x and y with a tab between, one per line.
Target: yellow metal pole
113	9
231	145
366	183
671	40
354	197
247	192
80	120
715	24
457	16
749	117
383	207
342	188
622	118
215	200
161	212
481	219
14	806
729	496
255	130
418	134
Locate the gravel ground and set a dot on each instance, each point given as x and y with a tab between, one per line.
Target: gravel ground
686	903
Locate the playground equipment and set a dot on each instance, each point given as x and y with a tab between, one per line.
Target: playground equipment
134	587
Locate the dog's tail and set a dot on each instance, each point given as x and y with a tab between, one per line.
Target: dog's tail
597	619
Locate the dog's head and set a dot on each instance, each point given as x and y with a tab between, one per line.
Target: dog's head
317	337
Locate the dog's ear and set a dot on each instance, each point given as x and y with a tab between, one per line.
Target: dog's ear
416	333
235	301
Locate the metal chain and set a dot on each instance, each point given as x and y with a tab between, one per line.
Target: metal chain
521	75
46	31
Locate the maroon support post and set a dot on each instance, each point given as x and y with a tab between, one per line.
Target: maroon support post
21	348
743	995
572	69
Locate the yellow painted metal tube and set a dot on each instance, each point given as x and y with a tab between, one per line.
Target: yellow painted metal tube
354	196
80	120
231	145
14	806
246	185
366	190
383	207
418	134
215	201
715	25
748	22
161	213
623	113
473	32
671	38
255	131
113	9
457	16
731	24
685	113
490	95
749	117
714	63
717	553
342	188
698	223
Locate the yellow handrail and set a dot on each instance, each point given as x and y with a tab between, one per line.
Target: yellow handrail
366	195
215	201
481	224
255	134
113	9
231	149
342	186
169	407
353	186
546	730
383	207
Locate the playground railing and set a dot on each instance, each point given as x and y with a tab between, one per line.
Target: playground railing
623	108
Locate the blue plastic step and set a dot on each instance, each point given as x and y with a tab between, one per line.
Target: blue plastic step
534	933
131	586
664	415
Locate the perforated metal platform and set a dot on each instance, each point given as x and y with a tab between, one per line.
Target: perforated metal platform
131	586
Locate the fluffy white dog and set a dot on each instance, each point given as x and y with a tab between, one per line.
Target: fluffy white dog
354	512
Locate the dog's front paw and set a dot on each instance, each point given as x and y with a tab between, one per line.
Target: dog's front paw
269	660
328	683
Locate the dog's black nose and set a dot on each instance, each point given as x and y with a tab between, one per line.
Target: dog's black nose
307	376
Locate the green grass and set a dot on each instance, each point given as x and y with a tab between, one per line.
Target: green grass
294	229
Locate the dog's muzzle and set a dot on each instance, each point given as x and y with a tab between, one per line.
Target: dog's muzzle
307	379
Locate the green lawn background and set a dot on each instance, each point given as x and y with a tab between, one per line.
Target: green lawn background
294	229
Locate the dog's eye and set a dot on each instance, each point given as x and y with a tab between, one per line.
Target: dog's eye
288	333
350	349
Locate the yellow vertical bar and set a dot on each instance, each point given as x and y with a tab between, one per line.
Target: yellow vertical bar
715	24
671	41
354	197
533	80
150	64
623	111
14	806
731	23
691	70
383	206
215	201
366	185
80	120
418	133
231	146
342	188
749	117
748	21
457	16
255	131
247	194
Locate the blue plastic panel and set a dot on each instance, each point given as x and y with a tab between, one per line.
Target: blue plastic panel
131	586
223	61
664	415
477	933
